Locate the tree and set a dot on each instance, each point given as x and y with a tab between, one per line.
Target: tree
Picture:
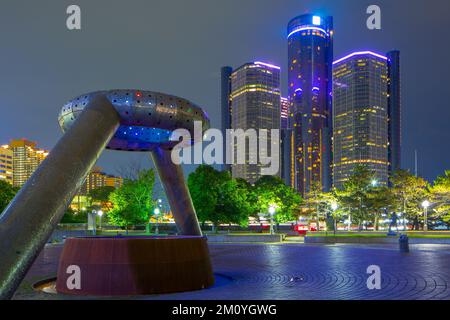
354	197
409	191
440	196
379	199
71	216
272	191
218	198
317	202
7	193
100	196
132	202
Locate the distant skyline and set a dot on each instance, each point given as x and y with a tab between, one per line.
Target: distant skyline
178	47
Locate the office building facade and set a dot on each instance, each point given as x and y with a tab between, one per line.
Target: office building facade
360	116
394	111
6	164
225	106
255	104
310	57
26	158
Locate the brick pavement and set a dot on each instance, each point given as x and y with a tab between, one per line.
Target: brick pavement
301	272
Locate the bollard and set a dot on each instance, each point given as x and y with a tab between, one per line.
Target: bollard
404	243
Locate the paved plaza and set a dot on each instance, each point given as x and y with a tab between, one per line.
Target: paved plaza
298	272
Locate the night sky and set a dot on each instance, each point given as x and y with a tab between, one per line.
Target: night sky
178	47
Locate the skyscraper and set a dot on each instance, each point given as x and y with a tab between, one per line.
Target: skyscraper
284	112
360	115
6	164
394	110
97	179
255	104
225	106
310	50
285	140
26	159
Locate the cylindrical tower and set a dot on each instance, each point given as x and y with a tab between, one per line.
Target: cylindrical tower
310	50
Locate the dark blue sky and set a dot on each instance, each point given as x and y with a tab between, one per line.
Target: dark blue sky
178	47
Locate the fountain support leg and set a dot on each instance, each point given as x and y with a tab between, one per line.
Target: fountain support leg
27	223
172	178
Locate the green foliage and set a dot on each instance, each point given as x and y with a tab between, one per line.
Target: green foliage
71	216
100	196
218	198
379	199
271	191
354	196
132	202
318	203
408	193
7	193
440	196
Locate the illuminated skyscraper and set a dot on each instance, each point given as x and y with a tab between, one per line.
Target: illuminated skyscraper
225	106
255	104
310	49
394	110
6	164
284	112
26	159
97	179
360	115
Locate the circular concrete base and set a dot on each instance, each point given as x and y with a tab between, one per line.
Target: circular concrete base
134	265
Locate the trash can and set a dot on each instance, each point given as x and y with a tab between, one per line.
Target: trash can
404	243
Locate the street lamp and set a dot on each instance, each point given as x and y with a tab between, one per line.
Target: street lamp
425	206
93	221
334	207
271	212
100	214
156	212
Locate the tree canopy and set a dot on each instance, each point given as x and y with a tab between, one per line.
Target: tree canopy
7	193
132	202
218	198
272	191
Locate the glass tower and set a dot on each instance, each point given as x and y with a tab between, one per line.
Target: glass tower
360	115
225	106
255	104
394	110
310	50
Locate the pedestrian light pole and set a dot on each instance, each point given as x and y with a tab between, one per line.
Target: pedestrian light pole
100	214
156	211
271	212
425	206
334	207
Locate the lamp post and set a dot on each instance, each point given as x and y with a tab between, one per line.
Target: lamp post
93	222
425	206
334	207
271	212
156	211
100	214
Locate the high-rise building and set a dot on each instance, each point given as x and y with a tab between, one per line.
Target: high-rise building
97	178
225	106
284	140
360	115
255	104
284	112
6	164
310	50
26	159
394	110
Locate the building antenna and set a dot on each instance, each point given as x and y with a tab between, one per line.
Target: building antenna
415	162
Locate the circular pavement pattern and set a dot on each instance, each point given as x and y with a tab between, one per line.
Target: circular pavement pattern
304	272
